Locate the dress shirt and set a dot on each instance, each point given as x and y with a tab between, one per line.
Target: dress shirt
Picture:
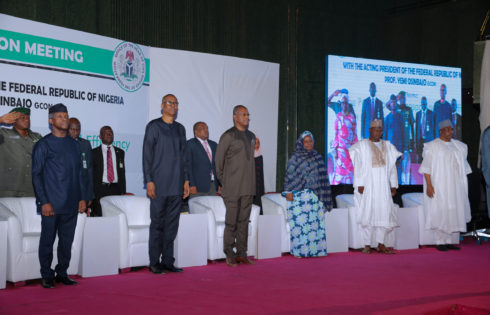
207	148
114	163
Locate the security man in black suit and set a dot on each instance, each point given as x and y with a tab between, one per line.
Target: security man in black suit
200	156
109	170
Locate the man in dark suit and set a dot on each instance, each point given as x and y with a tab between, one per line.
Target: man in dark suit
393	125
109	171
166	176
57	177
200	158
235	168
74	132
442	109
424	130
372	108
456	121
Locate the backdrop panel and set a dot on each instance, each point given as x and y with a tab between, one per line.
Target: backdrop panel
209	86
102	80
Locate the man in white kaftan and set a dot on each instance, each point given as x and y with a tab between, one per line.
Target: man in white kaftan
446	203
375	183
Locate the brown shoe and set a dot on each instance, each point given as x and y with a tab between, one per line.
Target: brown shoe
231	261
244	260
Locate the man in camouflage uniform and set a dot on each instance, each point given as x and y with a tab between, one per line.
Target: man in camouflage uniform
16	153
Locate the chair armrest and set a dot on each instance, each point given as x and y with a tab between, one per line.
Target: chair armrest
14	235
111	210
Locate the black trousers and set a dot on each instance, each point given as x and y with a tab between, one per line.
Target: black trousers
104	190
64	225
164	215
236	225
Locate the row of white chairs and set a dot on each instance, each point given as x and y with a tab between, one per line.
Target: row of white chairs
22	225
409	235
132	214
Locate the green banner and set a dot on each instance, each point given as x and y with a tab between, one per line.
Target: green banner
56	53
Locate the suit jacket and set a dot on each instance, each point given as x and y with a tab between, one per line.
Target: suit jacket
458	128
429	126
366	115
98	167
199	165
235	163
442	111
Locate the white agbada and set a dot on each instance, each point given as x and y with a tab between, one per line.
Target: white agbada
376	206
449	209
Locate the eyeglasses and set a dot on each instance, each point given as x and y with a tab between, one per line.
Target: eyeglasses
172	103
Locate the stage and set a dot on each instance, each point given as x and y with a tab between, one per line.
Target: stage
409	282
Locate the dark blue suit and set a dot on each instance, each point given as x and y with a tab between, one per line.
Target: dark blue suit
442	111
58	177
429	133
86	149
164	164
199	165
366	115
393	130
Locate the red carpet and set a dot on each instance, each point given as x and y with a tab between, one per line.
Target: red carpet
422	281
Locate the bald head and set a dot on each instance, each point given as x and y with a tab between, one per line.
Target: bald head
74	128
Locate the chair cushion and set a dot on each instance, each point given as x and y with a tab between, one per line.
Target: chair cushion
277	198
138	234
345	201
25	210
30	242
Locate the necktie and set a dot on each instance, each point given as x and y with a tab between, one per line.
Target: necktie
110	168
372	109
208	152
423	125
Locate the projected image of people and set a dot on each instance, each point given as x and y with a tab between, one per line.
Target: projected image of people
408	99
393	130
424	130
336	106
442	108
407	139
372	108
345	136
456	121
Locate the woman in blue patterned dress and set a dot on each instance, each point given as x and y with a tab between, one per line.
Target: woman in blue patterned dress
308	193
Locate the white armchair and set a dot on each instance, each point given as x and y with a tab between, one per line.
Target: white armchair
24	230
355	232
426	237
277	204
133	213
214	208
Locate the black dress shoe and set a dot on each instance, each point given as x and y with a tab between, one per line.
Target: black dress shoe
157	269
441	248
172	268
65	280
47	283
451	246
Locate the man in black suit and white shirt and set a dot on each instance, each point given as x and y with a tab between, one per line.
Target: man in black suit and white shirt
372	108
200	157
109	171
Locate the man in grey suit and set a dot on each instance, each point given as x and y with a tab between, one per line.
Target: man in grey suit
200	158
235	168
